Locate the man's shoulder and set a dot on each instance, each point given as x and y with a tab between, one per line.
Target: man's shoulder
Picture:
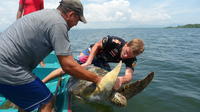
50	15
49	18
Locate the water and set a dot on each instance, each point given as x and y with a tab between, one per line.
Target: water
174	56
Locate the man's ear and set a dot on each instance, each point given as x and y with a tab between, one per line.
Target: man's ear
67	15
70	13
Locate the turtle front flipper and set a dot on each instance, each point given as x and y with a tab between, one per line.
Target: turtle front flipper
107	82
131	89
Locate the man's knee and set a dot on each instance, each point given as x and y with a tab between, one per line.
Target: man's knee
48	107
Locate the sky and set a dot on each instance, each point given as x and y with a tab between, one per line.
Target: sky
121	13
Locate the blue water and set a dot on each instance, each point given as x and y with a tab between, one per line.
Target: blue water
174	56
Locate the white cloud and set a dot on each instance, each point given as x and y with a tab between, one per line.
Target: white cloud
123	11
99	1
115	10
153	15
8	11
111	13
49	4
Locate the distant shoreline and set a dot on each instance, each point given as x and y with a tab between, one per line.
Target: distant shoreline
186	26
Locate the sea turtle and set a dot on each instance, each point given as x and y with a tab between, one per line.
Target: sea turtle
103	92
89	92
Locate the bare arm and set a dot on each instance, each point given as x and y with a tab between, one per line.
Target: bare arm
128	75
94	51
124	79
20	11
56	73
70	66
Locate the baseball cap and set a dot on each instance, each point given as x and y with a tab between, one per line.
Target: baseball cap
76	6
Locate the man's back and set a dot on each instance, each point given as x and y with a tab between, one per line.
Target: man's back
26	42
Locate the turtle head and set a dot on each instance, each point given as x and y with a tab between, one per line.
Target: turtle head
118	99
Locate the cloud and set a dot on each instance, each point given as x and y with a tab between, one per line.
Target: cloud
99	1
8	11
151	15
123	11
116	13
110	11
50	4
99	13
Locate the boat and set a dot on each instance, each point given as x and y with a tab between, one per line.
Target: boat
56	86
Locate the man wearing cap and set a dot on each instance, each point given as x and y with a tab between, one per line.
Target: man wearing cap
28	41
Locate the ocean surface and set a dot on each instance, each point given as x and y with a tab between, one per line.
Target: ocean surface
174	56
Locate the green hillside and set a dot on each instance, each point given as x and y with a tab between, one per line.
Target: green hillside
187	26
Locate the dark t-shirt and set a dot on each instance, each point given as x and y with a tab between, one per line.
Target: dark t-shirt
111	50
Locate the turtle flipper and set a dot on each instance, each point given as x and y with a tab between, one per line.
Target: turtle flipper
108	81
131	89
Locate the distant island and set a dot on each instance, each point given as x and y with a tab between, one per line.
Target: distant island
187	26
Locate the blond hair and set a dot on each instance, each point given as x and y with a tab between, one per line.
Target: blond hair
137	46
